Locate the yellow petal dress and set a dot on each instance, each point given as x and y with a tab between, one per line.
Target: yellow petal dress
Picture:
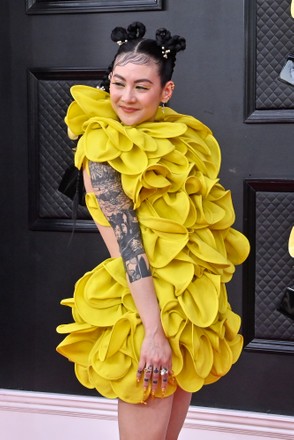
169	169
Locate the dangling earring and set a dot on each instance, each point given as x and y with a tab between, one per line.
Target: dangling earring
162	107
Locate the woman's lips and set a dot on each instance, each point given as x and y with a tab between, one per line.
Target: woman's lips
128	109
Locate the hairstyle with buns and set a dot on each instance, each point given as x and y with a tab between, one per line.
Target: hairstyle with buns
134	48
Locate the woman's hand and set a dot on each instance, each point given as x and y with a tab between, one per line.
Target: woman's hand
155	363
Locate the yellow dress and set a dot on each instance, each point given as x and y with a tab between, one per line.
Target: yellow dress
169	169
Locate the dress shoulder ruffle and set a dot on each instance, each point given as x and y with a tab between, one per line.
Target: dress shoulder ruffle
169	169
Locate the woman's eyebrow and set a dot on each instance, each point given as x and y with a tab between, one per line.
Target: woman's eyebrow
116	75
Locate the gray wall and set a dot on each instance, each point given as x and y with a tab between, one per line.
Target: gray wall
38	268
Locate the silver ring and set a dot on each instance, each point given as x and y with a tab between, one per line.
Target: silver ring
163	371
148	369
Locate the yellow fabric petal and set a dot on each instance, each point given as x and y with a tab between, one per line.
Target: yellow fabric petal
237	246
130	163
188	379
104	387
77	345
201	308
113	368
82	374
93	101
223	359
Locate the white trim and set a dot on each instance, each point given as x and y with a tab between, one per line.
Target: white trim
247	423
33	409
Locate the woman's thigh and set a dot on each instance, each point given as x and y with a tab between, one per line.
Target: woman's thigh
159	419
144	422
181	402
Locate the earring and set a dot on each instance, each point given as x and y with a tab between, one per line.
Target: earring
162	107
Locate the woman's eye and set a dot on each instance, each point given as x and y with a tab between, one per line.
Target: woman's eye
118	84
142	88
122	85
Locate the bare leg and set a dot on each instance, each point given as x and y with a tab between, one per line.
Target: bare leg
178	414
144	422
158	420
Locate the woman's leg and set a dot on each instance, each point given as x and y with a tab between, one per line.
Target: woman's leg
144	422
160	419
181	402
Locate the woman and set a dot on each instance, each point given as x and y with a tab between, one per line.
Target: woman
152	323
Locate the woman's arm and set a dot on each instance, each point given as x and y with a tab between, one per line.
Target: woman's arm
118	210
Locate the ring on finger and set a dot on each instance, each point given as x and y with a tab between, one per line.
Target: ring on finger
148	369
163	371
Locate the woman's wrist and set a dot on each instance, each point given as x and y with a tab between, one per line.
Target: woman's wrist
152	330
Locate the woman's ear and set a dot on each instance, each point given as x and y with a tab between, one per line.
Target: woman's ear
167	91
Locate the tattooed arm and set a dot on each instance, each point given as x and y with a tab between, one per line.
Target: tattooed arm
118	210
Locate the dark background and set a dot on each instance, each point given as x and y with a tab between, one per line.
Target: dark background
39	268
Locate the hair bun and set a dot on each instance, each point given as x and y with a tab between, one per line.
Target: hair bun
178	43
119	34
174	44
136	30
162	36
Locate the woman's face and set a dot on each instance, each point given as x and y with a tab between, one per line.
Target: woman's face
136	92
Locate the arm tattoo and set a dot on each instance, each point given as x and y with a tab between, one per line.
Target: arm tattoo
118	210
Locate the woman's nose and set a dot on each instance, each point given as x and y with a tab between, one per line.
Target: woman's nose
128	95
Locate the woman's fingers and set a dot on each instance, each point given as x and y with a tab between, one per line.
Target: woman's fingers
155	380
139	374
164	380
147	376
154	377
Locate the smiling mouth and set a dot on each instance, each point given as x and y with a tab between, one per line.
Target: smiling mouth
128	109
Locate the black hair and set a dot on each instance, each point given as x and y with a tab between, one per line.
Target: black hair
162	50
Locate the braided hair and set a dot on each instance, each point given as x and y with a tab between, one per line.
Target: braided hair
134	48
